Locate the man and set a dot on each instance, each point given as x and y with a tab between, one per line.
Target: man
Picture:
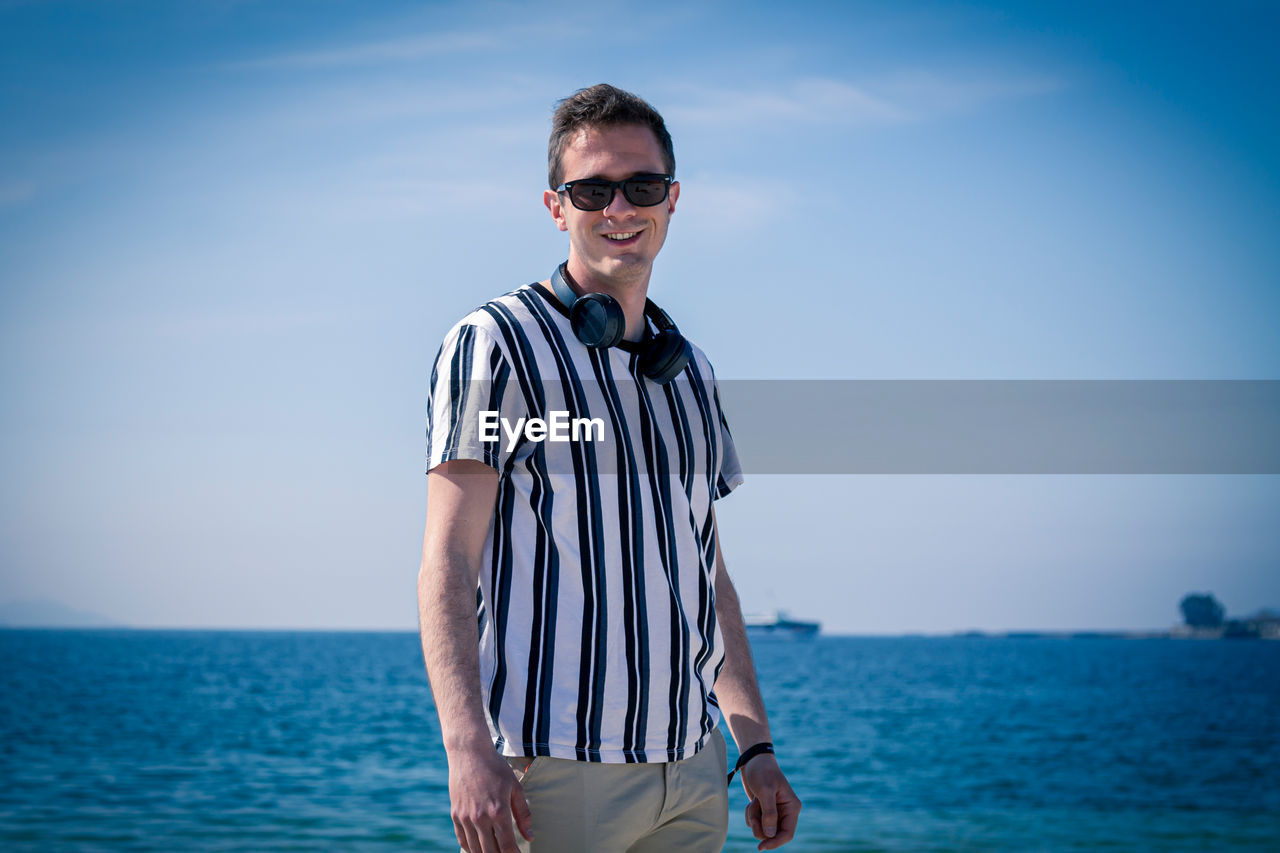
580	687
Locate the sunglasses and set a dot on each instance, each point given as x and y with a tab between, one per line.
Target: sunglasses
596	193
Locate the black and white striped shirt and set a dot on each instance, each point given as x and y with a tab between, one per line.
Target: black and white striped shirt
596	602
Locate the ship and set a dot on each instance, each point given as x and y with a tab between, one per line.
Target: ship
781	625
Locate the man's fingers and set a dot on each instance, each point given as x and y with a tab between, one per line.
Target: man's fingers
504	838
753	819
769	820
472	844
520	810
486	836
461	835
768	812
786	831
788	817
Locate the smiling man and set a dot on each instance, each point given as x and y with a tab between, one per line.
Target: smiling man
580	631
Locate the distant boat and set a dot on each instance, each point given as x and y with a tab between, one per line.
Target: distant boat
781	625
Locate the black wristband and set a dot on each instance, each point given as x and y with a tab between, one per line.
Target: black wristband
758	749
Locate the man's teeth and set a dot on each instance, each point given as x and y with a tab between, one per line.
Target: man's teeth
625	236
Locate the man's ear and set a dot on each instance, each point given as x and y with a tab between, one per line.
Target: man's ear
673	193
551	199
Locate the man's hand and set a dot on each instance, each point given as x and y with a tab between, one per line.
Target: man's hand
774	807
484	796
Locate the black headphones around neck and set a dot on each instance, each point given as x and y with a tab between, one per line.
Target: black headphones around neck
598	321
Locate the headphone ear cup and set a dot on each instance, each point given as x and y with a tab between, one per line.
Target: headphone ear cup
667	354
597	319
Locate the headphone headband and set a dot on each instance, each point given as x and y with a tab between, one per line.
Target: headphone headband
563	292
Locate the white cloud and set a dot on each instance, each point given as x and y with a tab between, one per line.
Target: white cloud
408	197
403	49
731	204
16	193
400	49
901	96
217	324
811	101
923	93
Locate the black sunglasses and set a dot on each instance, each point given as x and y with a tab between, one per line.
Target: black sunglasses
597	193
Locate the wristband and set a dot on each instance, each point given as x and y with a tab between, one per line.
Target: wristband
758	749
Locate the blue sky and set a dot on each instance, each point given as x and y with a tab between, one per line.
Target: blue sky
232	235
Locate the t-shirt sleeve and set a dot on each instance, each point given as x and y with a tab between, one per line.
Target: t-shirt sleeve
472	391
730	475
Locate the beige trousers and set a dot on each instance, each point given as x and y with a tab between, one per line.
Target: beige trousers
583	807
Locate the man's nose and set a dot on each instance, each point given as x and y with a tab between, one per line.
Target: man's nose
619	204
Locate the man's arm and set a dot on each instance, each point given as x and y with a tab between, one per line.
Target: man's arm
774	807
483	792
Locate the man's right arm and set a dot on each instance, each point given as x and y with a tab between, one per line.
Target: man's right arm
483	792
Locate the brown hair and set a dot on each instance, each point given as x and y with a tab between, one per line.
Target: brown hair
602	105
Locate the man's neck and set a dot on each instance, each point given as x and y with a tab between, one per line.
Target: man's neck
631	295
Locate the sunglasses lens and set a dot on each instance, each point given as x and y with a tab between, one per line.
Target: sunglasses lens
587	195
645	192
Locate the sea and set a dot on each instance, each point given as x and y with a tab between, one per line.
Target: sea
192	740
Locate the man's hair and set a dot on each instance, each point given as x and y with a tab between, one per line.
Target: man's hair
602	105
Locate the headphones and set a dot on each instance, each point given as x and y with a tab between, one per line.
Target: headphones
597	321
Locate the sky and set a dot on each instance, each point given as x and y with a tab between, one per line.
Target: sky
234	233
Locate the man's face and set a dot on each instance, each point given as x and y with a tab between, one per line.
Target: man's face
595	257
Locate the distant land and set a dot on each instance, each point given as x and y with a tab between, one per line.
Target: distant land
45	613
1263	625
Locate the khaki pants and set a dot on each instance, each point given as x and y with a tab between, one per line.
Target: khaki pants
582	807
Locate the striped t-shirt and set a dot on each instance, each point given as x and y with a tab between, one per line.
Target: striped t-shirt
596	601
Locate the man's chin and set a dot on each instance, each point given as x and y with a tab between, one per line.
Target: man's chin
623	270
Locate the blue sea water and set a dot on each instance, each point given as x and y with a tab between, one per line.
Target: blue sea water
147	740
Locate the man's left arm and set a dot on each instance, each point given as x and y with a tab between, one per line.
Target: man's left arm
774	807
